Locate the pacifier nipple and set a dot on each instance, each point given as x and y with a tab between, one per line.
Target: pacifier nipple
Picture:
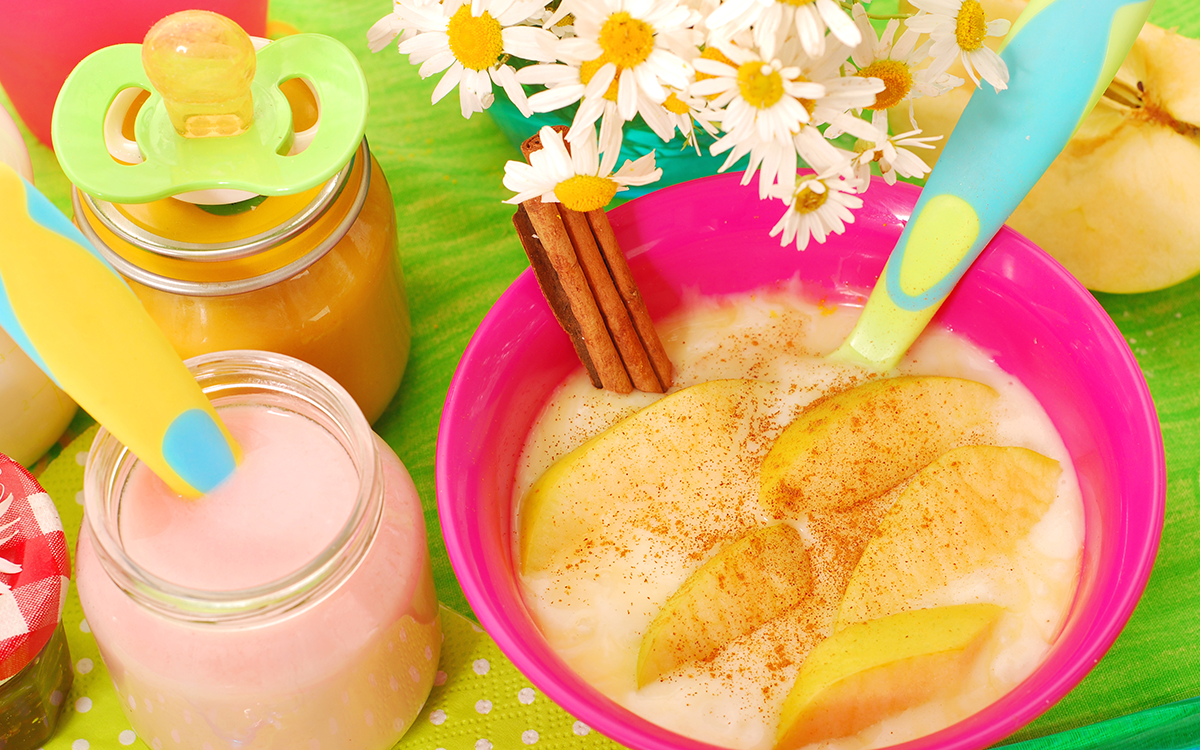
202	64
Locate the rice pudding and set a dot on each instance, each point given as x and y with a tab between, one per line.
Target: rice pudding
594	602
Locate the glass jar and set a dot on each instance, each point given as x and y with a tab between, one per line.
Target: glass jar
315	275
339	652
31	700
35	663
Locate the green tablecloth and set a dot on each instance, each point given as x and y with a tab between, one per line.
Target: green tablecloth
459	253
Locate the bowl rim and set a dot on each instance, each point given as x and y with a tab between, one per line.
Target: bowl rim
626	727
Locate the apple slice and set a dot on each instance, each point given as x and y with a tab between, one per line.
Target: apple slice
970	505
757	578
861	442
676	465
870	671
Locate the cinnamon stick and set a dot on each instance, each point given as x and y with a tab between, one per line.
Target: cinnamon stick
553	290
571	240
612	307
622	277
550	231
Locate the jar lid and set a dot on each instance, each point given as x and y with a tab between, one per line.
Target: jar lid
34	567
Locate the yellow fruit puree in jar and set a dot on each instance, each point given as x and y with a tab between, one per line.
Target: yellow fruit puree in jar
315	275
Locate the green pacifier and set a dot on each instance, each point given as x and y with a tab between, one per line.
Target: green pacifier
215	119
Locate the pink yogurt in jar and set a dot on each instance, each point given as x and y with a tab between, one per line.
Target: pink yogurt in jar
292	607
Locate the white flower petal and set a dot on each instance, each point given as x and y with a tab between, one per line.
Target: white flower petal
507	80
383	32
840	24
611	136
425	43
647	84
555	98
448	82
627	95
530	43
436	64
601	80
549	75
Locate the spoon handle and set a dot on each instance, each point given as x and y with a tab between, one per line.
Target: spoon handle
74	316
1061	56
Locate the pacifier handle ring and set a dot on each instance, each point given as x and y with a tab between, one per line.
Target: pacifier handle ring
81	145
344	91
120	147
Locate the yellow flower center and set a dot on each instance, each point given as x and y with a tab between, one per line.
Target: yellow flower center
897	82
861	147
971	27
589	68
809	105
474	41
626	41
712	53
808	201
760	84
796	2
673	105
585	192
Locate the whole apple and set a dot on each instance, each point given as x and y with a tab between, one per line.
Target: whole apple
1117	206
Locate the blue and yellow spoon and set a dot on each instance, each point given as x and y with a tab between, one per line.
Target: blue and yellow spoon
1061	56
73	315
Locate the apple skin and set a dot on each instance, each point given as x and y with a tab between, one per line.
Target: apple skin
873	670
965	509
757	578
858	443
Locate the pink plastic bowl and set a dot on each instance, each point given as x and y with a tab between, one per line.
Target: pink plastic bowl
711	235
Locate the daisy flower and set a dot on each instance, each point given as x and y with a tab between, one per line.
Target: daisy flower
772	20
385	30
760	105
957	28
843	92
820	206
578	179
621	49
680	111
471	42
891	154
760	99
895	62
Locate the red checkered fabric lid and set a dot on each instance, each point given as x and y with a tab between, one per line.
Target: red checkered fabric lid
34	567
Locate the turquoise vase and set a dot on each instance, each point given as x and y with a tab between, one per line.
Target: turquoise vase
677	159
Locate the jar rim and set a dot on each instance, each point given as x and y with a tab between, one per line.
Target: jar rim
231	378
228	251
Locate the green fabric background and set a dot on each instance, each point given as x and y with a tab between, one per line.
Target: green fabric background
459	254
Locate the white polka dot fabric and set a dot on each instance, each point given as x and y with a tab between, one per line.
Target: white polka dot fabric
479	700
